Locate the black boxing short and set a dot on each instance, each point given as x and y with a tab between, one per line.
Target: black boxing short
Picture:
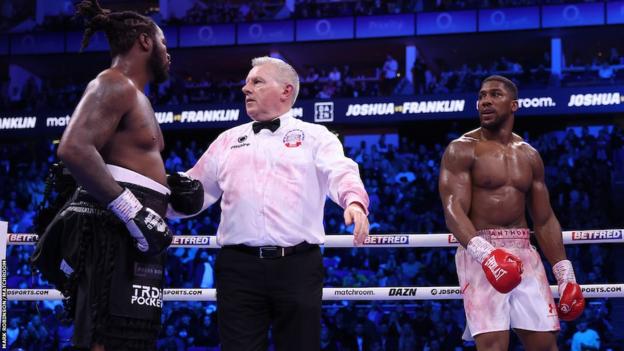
114	293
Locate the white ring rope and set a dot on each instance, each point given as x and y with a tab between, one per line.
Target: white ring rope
346	241
329	294
377	240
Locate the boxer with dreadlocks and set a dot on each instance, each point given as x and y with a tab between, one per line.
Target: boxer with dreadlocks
106	248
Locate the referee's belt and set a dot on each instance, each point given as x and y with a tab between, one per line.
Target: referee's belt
272	251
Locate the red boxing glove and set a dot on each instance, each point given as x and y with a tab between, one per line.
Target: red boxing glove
571	301
502	269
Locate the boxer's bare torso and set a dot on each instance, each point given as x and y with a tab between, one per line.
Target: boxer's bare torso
115	123
500	177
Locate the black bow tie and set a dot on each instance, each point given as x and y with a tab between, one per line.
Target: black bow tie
270	125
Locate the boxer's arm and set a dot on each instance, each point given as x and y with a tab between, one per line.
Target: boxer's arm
455	187
105	101
548	233
546	226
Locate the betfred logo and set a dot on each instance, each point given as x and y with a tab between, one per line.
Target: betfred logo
386	240
452	239
608	234
23	238
191	240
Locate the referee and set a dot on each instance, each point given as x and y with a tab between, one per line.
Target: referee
273	176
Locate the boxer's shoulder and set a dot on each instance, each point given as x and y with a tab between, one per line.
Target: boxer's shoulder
111	86
462	149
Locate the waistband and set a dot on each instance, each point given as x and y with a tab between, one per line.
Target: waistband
148	197
271	251
503	237
125	175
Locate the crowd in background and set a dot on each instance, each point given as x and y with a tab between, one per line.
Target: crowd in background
402	184
401	179
250	11
340	81
13	12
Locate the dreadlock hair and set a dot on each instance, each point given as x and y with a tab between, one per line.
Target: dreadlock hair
121	28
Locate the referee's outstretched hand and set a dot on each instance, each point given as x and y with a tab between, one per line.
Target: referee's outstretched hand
355	214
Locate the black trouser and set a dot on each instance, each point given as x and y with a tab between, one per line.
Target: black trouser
254	294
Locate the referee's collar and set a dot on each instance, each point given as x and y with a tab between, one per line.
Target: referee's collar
285	119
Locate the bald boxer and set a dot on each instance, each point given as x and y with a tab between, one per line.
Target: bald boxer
487	178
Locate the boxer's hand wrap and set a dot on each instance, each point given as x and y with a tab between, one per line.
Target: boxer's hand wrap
149	230
571	301
187	194
502	269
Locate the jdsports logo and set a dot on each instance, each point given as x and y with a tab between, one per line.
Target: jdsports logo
152	220
435	291
494	268
145	295
402	292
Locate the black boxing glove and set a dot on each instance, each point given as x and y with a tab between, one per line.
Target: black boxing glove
187	194
149	230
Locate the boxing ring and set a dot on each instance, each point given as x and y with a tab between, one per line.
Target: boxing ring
604	236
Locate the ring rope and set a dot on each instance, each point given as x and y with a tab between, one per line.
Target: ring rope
384	240
330	294
346	241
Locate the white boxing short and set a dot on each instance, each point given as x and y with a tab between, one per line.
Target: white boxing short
529	306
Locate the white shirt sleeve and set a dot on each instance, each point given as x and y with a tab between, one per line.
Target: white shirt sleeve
206	171
342	173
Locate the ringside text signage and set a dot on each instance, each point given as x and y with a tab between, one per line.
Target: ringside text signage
564	101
